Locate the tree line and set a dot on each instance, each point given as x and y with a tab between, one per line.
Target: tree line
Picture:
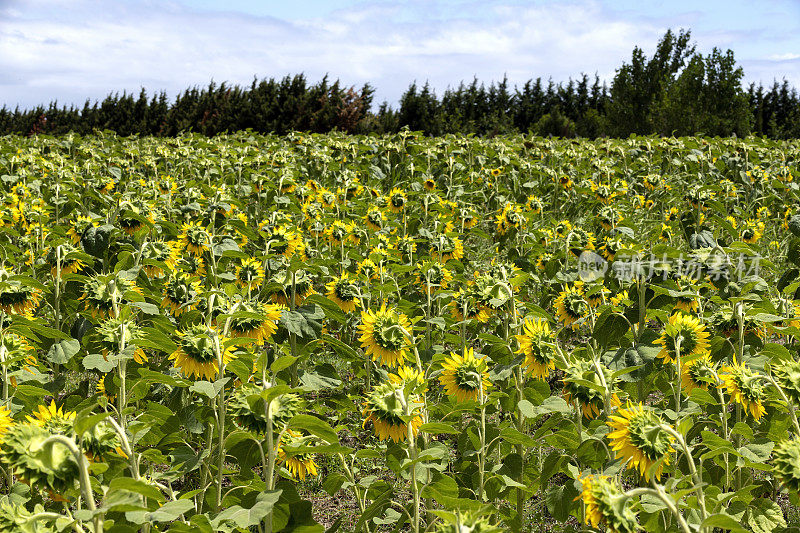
677	91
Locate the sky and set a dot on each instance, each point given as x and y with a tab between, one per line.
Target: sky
71	50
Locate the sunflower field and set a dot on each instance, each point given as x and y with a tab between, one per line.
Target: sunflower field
339	333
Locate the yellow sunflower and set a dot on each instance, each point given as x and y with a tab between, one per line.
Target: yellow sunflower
196	356
374	219
605	504
690	331
638	439
744	387
433	275
464	376
258	321
590	400
180	294
383	406
571	307
383	335
193	237
344	293
250	274
534	344
53	419
299	464
698	373
397	200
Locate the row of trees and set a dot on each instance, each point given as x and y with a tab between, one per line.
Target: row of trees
676	91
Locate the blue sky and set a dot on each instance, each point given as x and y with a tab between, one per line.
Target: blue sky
71	50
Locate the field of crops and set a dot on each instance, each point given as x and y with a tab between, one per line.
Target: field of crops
310	333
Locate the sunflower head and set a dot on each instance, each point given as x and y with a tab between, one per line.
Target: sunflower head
344	292
181	294
687	333
53	419
786	463
468	522
374	219
384	335
103	295
638	439
45	465
256	320
571	306
745	388
100	441
299	463
196	355
194	237
787	376
606	505
443	247
535	344
248	409
303	287
250	274
509	218
16	297
465	377
698	373
159	257
113	333
384	407
590	400
433	275
396	200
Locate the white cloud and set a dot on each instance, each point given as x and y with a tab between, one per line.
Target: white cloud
86	48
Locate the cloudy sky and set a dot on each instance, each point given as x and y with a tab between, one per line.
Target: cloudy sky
71	50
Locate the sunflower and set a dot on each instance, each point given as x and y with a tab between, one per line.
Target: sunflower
327	198
383	335
533	204
687	303
691	333
166	185
565	182
429	184
534	344
181	294
20	356
406	245
287	185
283	241
367	269
116	332
433	275
666	233
444	248
249	409
638	439
77	227
590	400
158	254
303	287
465	376
465	306
605	504
257	321
193	237
344	293
102	295
383	406
571	307
299	464
467	218
752	231
133	219
17	298
787	376
50	467
580	240
672	215
250	274
397	200
744	388
195	355
374	219
409	374
698	373
508	218
70	263
53	419
608	217
340	232
786	463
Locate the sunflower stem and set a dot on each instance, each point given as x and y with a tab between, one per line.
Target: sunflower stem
698	481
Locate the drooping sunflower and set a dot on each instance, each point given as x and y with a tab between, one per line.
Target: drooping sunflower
689	302
467	218
340	232
193	265
745	388
255	320
533	204
283	241
374	219
638	439
250	274
464	376
535	345
157	255
571	306
367	269
609	217
102	295
790	310
196	355
508	218
113	333
70	260
303	287
666	233
249	409
589	399
20	356
606	505
383	406
432	275
53	419
397	200
193	237
409	374
787	376
691	333
181	294
444	248
383	335
344	292
77	226
299	464
752	231
580	240
698	373
786	463
465	306
134	218
429	184
327	198
17	297
672	214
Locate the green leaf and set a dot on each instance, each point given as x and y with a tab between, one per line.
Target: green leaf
61	352
84	423
283	362
170	511
206	388
438	428
764	516
137	486
723	521
246	518
315	426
